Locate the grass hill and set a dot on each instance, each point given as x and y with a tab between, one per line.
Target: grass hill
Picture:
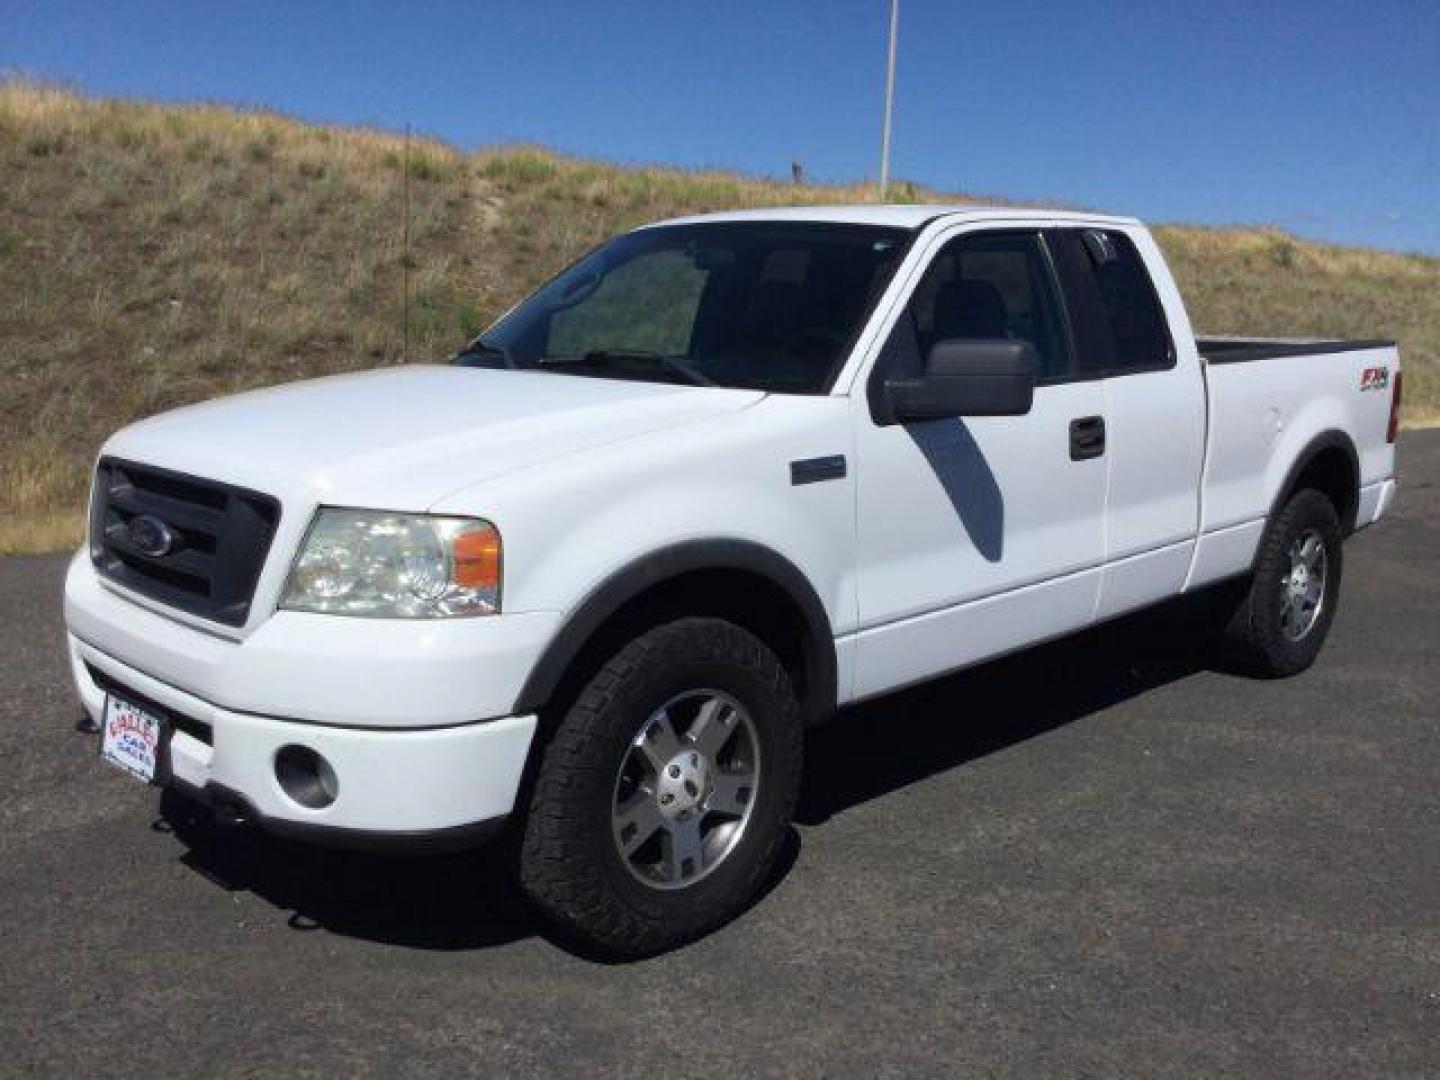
152	256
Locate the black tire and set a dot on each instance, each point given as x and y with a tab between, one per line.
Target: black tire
1255	638
570	866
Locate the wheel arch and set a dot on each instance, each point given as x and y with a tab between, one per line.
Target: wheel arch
1330	464
748	583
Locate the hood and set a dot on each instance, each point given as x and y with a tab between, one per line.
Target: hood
402	438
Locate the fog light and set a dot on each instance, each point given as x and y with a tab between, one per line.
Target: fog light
306	777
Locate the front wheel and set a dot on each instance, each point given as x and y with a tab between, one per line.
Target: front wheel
664	797
1280	623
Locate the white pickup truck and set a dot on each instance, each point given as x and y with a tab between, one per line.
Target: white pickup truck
720	477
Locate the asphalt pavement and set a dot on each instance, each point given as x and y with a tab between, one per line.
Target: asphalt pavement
1097	858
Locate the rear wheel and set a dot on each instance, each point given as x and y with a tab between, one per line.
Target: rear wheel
1280	622
665	794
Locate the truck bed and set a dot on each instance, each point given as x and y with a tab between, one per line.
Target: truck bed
1236	350
1264	418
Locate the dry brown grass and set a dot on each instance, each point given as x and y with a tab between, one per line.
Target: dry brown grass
152	256
1261	281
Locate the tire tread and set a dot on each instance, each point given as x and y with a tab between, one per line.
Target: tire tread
558	872
1252	640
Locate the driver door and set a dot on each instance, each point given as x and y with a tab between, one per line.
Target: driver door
982	534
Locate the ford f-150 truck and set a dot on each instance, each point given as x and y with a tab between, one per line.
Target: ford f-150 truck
720	477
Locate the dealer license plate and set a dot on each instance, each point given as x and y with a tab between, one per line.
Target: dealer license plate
132	738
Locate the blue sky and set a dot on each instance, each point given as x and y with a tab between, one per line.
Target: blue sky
1319	116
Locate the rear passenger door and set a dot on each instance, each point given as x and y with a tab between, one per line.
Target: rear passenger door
1154	407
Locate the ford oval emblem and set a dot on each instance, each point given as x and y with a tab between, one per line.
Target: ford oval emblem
151	536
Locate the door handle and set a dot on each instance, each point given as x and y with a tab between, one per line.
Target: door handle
1087	438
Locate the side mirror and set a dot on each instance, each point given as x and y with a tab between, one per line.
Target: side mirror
984	377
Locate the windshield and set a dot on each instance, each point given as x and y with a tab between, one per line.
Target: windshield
772	306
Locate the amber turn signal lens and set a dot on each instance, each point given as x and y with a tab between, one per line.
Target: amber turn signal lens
475	555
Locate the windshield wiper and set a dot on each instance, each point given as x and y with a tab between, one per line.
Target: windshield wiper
478	348
620	357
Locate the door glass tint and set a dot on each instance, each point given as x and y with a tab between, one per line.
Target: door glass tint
987	286
1115	313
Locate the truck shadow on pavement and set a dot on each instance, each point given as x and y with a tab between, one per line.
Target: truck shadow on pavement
469	901
879	746
461	901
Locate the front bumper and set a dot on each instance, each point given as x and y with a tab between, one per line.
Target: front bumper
379	702
326	669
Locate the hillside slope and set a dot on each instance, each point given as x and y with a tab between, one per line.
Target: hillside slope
152	256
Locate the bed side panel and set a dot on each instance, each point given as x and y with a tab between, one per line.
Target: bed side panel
1264	413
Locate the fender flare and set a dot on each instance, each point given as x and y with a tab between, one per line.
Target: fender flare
1331	439
665	564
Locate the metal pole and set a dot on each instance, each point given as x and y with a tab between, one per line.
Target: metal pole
889	101
405	257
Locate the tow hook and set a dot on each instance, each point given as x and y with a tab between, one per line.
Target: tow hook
231	809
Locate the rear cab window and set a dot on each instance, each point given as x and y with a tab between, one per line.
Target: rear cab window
1116	318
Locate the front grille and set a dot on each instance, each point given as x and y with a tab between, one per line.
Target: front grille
193	544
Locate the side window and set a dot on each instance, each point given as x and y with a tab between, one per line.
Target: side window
1115	313
982	286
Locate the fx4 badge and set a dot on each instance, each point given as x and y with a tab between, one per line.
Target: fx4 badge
1374	378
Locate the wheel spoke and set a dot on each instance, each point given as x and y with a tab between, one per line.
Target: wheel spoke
1311	551
1287	613
732	793
636	821
714	724
686	789
658	741
684	855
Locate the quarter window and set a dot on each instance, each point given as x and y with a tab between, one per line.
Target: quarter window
1115	314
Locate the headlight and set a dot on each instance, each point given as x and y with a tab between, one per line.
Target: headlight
367	562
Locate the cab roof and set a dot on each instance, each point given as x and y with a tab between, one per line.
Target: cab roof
906	216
